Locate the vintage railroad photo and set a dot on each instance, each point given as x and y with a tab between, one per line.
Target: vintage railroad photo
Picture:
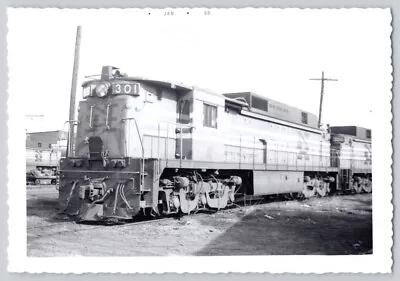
200	133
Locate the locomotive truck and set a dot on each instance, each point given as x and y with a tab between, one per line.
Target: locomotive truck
160	148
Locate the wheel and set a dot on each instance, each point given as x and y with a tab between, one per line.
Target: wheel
357	187
321	190
309	191
367	187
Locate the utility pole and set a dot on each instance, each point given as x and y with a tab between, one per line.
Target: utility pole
322	79
72	103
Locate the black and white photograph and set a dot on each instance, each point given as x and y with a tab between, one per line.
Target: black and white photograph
202	140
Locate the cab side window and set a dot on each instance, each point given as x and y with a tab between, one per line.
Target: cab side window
210	116
304	118
184	112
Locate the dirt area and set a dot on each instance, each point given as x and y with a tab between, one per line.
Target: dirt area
336	225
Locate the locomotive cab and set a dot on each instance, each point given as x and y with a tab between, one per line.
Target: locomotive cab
103	114
124	126
127	114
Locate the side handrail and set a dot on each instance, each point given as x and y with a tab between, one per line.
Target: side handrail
317	157
91	116
108	113
159	136
137	129
69	145
141	144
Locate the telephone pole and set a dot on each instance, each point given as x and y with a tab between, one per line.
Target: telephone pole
322	79
72	104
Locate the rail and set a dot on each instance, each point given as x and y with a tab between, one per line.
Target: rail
181	126
259	156
69	140
141	144
248	152
91	116
298	161
108	112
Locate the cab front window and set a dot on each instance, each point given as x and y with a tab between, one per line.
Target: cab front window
88	90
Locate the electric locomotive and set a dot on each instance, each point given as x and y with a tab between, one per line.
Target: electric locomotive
159	148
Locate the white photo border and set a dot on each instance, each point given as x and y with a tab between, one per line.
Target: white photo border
379	262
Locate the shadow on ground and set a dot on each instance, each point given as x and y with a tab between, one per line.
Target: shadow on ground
297	231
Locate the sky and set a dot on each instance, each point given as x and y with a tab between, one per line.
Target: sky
272	52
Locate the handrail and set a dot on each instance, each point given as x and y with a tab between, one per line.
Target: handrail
315	156
159	135
254	152
141	144
240	152
69	135
180	148
108	110
137	129
91	116
166	145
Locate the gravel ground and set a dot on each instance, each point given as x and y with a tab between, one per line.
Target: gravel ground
336	225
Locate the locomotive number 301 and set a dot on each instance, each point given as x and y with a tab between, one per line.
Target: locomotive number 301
125	89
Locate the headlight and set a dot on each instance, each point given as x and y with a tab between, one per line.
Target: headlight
101	90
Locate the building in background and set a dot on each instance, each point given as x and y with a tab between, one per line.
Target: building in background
46	140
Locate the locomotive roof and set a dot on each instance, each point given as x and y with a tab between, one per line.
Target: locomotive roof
168	84
268	107
243	100
242	94
354	131
162	83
